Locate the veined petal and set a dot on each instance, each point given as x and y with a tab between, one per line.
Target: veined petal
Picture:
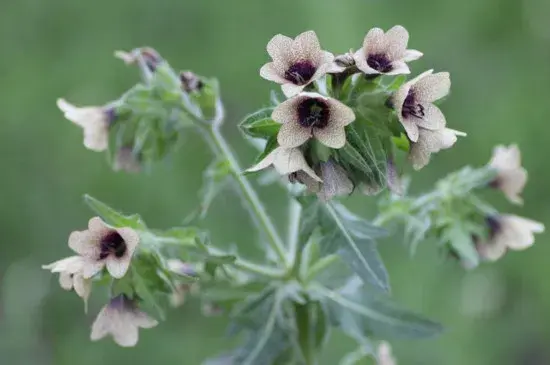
271	73
505	157
517	232
279	49
69	265
399	68
285	113
131	239
293	135
412	55
491	251
397	39
289	160
290	89
307	46
511	182
117	267
266	162
432	87
433	118
333	135
374	42
411	128
66	280
340	113
84	244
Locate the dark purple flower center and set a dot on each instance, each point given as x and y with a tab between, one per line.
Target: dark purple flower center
412	107
312	113
112	244
380	62
301	72
494	225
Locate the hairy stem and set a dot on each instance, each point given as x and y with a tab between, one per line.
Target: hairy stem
219	145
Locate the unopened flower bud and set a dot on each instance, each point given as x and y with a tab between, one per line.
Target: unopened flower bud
149	55
335	181
126	160
190	82
345	60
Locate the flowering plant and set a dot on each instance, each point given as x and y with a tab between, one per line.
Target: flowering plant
338	131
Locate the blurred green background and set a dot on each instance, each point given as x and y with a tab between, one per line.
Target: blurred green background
498	53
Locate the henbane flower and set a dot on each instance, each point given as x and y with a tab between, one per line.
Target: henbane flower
508	232
413	102
286	161
93	120
121	319
312	115
511	176
431	141
386	53
101	245
70	276
296	62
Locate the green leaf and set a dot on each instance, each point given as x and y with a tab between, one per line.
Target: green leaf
259	124
215	178
147	282
349	236
113	217
363	312
262	128
459	236
352	156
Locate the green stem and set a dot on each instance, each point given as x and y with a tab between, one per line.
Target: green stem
305	335
294	215
249	194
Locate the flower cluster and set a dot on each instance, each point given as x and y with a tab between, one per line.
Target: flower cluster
338	127
507	231
97	248
469	228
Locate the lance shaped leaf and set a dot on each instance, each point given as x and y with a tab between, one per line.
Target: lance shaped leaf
348	235
260	319
260	125
361	312
112	217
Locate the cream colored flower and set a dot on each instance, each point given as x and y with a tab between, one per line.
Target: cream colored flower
286	161
431	141
101	245
335	181
508	232
413	102
386	53
384	353
93	120
511	176
312	115
121	319
70	276
126	160
296	62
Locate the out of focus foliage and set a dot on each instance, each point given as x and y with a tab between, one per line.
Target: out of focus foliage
496	50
